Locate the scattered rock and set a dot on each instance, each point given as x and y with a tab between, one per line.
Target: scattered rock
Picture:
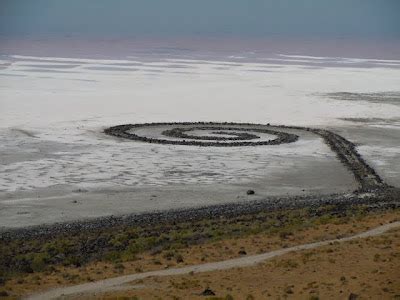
59	257
208	292
353	296
242	252
156	250
3	294
179	258
80	191
289	290
250	192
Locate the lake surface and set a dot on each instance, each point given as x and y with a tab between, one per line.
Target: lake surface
57	96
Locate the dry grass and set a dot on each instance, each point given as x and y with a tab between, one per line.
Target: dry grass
364	267
368	268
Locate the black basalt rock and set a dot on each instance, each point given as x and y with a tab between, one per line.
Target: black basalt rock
250	192
208	292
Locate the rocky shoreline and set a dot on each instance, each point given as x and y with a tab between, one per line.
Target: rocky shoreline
379	199
372	192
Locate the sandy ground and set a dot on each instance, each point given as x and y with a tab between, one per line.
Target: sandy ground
371	271
332	272
246	261
57	165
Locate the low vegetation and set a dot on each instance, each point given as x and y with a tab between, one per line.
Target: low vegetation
124	243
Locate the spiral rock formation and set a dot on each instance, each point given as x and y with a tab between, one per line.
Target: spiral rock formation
204	134
209	134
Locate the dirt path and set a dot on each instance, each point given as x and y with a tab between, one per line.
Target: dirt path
245	261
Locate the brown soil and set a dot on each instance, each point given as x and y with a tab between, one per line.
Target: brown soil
368	267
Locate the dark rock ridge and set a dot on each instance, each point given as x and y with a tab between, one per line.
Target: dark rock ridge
237	136
346	151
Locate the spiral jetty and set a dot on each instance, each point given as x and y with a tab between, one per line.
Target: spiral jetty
247	134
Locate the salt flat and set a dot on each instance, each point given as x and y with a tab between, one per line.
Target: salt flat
57	164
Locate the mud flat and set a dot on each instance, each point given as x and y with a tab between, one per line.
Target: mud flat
372	190
133	177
